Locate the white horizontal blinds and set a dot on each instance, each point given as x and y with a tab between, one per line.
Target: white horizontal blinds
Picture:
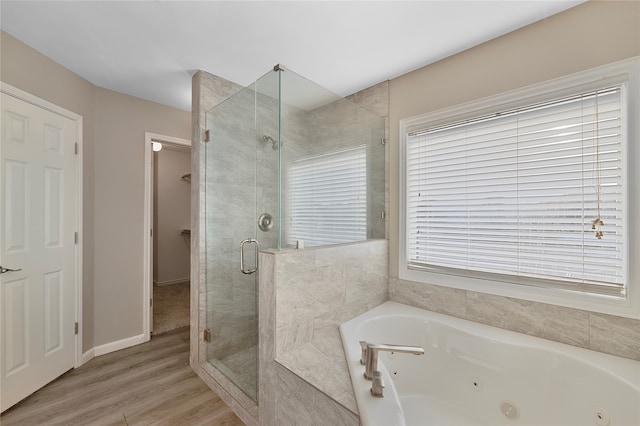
328	198
515	194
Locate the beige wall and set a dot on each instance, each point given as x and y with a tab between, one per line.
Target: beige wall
594	33
113	153
120	125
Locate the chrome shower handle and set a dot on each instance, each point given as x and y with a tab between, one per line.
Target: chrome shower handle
248	241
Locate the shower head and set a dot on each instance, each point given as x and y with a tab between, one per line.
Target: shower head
269	139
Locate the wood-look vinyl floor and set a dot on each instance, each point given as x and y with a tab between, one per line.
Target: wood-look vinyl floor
147	384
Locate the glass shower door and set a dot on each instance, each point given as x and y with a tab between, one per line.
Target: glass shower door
232	314
241	214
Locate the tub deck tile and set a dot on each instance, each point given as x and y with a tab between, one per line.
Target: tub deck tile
322	363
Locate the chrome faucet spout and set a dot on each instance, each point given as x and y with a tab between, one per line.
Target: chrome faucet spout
371	355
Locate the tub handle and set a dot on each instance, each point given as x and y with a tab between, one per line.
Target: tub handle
377	385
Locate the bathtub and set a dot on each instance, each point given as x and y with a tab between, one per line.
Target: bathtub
473	374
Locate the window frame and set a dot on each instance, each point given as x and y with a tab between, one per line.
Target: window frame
625	73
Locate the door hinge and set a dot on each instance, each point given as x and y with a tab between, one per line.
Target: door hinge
77	148
383	141
76	328
206	136
75	237
151	302
207	335
383	215
151	234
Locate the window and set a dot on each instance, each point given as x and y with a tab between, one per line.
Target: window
328	198
533	194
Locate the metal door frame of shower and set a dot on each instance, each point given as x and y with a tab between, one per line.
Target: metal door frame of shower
147	261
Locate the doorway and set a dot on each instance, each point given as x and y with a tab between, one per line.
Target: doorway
168	220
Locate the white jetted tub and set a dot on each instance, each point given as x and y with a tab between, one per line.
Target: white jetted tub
473	374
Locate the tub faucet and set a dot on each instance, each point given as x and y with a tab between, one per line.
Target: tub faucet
377	385
370	355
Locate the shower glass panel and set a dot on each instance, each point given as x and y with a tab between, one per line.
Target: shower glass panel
332	167
287	163
231	191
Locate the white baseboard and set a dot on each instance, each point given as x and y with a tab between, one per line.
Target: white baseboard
169	282
88	356
111	347
119	344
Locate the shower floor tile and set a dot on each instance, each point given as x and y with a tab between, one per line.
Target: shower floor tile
241	368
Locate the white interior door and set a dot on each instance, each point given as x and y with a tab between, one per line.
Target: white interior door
38	217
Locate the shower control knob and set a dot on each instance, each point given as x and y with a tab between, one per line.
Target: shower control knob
265	222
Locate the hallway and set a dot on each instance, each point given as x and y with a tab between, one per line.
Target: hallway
150	383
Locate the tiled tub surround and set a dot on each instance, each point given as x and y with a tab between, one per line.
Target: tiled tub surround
313	291
590	330
316	291
305	347
299	403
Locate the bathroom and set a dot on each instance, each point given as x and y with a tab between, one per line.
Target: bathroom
306	293
300	302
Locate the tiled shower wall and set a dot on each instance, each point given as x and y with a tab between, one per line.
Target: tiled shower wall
331	128
337	126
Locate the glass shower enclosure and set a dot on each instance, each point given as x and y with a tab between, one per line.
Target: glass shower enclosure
288	163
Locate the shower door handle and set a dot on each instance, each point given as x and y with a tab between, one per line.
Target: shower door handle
248	241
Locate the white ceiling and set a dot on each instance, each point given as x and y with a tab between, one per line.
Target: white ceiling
150	49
